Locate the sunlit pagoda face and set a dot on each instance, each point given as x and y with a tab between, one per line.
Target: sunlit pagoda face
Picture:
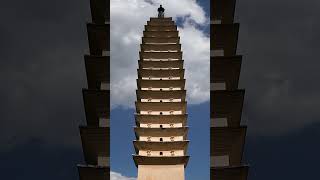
161	131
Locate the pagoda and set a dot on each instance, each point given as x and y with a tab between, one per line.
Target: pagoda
161	118
227	134
95	136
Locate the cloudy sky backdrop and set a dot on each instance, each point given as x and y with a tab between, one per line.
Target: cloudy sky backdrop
128	18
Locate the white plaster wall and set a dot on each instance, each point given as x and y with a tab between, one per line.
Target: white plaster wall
158	100
164	153
104	122
172	125
218	86
152	68
103	161
163	112
215	21
157	139
219	122
169	59
163	89
158	78
161	51
161	172
220	161
105	53
217	52
104	86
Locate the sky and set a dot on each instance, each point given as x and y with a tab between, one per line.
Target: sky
42	74
128	18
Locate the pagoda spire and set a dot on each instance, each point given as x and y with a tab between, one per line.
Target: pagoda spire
161	109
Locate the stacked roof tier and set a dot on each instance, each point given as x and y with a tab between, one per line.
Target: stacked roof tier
161	107
227	134
95	136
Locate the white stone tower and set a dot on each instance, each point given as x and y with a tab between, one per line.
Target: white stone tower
161	131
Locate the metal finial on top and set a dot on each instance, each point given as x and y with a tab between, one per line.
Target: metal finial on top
161	12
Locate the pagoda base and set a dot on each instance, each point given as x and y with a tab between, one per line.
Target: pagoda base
160	172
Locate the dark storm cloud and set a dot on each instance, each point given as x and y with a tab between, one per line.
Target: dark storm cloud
294	156
37	162
42	71
280	70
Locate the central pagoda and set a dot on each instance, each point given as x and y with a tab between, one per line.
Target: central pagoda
161	132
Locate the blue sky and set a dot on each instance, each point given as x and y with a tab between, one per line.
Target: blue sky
122	121
122	135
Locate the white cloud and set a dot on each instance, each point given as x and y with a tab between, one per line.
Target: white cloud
128	18
118	176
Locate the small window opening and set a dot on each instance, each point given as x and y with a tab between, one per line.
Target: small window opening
172	153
